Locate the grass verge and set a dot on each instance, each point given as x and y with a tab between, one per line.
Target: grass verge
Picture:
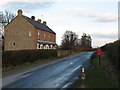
96	78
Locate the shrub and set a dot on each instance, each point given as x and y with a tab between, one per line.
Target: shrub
13	58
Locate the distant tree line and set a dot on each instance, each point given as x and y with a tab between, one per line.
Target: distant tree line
70	40
86	41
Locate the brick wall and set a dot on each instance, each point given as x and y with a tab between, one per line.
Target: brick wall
46	36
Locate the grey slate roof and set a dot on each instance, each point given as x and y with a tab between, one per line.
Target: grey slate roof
46	43
39	25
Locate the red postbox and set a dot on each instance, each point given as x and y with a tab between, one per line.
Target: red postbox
99	51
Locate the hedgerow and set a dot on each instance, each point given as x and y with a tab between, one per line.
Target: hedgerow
13	58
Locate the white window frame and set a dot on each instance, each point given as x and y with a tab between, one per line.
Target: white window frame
13	44
51	46
44	36
41	46
38	33
47	46
38	46
30	34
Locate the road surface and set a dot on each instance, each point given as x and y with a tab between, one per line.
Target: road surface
57	75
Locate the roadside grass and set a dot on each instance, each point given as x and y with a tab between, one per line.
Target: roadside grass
98	78
30	64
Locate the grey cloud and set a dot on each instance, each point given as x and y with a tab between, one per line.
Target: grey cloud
105	36
29	5
104	20
98	17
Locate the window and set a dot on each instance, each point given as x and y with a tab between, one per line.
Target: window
30	34
44	36
47	46
48	37
38	35
13	44
51	46
39	46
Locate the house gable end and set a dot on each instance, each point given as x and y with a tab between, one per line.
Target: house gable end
19	33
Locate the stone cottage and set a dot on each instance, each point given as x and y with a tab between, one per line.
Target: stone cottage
24	33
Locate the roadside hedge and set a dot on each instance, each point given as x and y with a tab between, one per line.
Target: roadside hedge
113	52
13	58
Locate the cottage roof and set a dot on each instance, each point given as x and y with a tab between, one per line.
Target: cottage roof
39	25
48	43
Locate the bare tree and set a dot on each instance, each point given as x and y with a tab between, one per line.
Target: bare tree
1	25
1	19
9	16
6	17
89	41
69	40
83	40
86	40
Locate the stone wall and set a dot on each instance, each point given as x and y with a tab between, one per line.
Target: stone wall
20	35
63	52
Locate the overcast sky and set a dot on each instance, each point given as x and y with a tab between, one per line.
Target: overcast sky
99	18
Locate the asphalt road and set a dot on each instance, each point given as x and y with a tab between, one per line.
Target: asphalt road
57	75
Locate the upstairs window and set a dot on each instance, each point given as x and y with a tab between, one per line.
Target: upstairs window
48	37
44	36
38	35
30	34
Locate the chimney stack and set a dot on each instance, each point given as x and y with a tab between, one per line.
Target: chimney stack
33	17
44	22
39	20
20	12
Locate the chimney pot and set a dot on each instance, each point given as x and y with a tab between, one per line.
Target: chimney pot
19	12
39	20
44	22
33	17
